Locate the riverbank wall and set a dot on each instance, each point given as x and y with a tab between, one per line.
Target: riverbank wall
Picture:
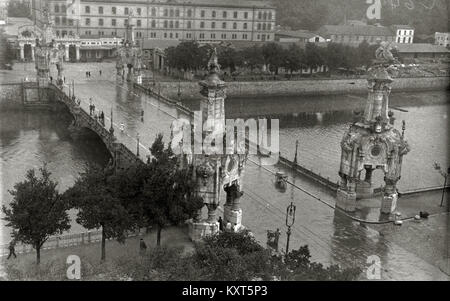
309	87
11	96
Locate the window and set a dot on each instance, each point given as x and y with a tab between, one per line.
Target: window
244	36
171	24
171	12
202	24
126	11
224	25
202	36
245	25
177	12
100	22
264	26
113	22
213	36
270	15
57	33
153	11
101	33
153	35
213	25
260	15
138	23
259	26
224	14
269	26
70	22
189	24
165	35
153	23
88	21
189	13
56	8
235	14
213	14
139	11
224	36
265	16
113	10
246	15
88	32
166	24
234	36
202	13
125	22
100	10
63	9
258	37
70	33
177	24
87	9
166	12
57	20
234	25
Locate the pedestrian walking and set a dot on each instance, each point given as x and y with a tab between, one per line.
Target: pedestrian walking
64	79
51	79
86	74
220	224
142	247
142	115
12	249
100	72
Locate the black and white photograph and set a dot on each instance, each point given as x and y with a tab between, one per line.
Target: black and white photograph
259	142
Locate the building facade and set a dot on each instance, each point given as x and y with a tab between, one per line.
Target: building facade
442	38
298	36
355	34
404	34
202	20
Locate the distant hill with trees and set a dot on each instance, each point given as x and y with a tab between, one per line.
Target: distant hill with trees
426	16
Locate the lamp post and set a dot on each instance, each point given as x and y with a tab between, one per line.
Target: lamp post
438	167
290	219
137	151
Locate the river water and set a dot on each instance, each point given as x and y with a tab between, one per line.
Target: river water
28	139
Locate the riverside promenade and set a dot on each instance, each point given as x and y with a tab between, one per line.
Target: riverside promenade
332	236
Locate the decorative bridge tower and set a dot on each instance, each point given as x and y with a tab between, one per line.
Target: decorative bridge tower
217	169
372	142
47	52
129	56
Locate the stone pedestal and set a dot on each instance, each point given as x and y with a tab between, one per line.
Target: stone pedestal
232	216
364	189
389	203
198	230
346	200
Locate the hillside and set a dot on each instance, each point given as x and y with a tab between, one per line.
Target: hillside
426	16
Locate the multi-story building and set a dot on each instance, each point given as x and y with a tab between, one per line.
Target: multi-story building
202	20
355	34
442	38
404	34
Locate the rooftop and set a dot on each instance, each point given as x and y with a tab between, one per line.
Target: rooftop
159	43
420	48
402	27
362	30
305	34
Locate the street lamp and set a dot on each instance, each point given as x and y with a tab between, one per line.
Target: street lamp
290	219
438	167
137	151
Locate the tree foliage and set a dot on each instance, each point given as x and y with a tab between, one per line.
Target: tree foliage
95	195
37	210
168	191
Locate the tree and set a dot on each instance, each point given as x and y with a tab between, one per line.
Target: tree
313	56
253	57
186	56
229	58
273	56
294	58
37	210
95	196
169	192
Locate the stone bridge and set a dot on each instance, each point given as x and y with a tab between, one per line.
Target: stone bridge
121	155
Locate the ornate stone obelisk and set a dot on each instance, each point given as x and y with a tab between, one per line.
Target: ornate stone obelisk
372	142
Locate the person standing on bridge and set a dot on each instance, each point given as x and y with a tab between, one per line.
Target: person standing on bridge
12	249
100	72
122	127
142	116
